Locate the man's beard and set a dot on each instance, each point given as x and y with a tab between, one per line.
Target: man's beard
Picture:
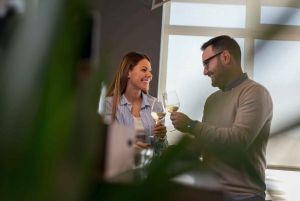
218	78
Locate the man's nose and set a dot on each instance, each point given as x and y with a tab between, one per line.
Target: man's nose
205	71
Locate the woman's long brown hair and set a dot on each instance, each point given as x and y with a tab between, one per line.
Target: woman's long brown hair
118	86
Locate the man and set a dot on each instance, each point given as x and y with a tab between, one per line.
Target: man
235	127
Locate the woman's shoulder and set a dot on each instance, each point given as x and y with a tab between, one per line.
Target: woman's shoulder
148	99
109	99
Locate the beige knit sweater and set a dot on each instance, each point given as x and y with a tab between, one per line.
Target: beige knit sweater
233	136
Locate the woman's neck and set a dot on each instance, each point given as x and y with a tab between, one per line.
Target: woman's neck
133	96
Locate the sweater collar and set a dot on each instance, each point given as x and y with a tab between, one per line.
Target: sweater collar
237	82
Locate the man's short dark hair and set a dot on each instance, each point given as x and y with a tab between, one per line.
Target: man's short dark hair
224	42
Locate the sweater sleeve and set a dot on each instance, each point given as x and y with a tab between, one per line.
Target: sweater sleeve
254	109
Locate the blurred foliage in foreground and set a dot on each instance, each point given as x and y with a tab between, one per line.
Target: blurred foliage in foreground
48	122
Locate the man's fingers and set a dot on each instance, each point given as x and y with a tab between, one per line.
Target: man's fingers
174	115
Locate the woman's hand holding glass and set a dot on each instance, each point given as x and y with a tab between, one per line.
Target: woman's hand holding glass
143	153
142	145
160	130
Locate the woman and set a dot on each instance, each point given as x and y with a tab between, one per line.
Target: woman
128	103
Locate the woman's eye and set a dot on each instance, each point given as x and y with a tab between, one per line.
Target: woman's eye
144	70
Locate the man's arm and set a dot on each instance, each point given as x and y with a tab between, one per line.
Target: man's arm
254	110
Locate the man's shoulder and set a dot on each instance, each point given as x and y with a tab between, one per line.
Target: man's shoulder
255	90
246	87
253	85
250	82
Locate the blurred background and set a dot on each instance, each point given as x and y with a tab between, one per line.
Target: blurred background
55	54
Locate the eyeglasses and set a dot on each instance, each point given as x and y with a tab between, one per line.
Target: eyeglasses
206	61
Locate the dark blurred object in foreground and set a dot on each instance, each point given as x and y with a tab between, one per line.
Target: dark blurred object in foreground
10	15
170	178
49	128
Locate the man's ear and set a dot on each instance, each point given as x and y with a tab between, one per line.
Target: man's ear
226	57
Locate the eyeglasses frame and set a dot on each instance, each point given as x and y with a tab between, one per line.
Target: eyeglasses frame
206	61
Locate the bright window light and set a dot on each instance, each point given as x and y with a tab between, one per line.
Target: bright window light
283	185
280	15
208	15
276	66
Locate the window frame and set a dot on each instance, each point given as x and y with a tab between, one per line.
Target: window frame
252	31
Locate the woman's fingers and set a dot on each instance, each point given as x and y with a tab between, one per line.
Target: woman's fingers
142	145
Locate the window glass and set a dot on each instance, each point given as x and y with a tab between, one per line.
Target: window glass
276	66
280	15
283	185
208	15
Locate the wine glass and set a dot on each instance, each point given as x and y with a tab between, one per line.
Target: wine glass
171	102
158	112
143	156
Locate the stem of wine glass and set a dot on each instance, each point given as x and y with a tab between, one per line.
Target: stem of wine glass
173	130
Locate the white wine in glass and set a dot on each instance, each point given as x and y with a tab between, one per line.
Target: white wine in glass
158	112
171	101
158	116
172	108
